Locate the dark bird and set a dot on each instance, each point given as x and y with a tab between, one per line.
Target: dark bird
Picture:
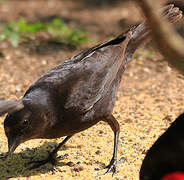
166	156
76	94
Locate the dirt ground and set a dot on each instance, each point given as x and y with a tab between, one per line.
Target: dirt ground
149	99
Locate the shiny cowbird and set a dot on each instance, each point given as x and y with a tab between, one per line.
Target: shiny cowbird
76	94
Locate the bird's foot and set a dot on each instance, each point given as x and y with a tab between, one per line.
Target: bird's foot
50	159
112	167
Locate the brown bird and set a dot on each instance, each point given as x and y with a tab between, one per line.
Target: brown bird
76	94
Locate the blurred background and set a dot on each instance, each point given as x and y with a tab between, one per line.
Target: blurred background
43	26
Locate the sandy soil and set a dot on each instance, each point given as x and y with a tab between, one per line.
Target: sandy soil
149	99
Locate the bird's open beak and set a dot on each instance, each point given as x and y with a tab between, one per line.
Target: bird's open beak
12	145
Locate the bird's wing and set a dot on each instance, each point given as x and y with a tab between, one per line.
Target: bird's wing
84	78
98	70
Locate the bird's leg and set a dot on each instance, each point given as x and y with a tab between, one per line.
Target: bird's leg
51	157
116	129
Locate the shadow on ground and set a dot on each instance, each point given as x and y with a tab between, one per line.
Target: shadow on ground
17	165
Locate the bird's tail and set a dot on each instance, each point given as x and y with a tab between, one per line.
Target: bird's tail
141	33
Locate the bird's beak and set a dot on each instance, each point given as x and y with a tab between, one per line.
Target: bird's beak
12	145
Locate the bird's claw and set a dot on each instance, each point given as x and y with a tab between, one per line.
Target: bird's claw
50	159
112	167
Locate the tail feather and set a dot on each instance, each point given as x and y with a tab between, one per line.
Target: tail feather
141	34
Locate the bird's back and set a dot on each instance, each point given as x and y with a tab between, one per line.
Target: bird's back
86	78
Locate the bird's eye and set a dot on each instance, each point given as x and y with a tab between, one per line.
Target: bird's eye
26	121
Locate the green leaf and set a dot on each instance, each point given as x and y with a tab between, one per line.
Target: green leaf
17	30
14	39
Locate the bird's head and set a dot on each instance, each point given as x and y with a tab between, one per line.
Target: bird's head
22	125
28	118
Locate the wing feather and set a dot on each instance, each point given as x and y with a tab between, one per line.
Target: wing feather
99	71
87	76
